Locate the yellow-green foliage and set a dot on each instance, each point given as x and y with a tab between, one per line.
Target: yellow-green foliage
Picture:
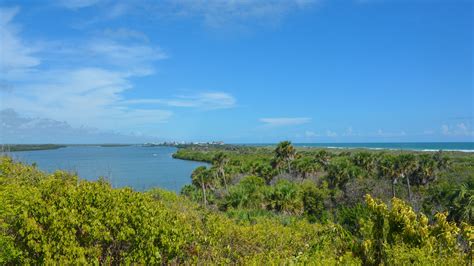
60	219
398	235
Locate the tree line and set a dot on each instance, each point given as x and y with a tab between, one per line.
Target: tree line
336	171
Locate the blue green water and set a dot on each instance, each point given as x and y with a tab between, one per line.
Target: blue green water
414	146
138	167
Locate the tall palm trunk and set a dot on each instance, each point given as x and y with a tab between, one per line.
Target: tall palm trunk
204	199
224	179
394	182
408	186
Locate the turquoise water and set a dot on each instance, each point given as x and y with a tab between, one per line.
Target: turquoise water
138	167
145	167
415	146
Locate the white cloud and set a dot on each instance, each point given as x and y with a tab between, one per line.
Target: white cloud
311	134
213	13
16	56
85	82
125	34
445	129
350	132
88	91
76	4
331	134
20	129
115	50
83	96
216	13
285	121
208	101
138	58
460	129
381	133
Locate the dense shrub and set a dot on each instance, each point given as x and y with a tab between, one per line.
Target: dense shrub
285	197
248	193
314	201
60	219
398	235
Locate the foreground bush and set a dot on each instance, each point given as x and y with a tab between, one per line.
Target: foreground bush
398	235
59	219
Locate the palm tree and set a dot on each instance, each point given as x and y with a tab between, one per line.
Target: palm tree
284	154
427	168
323	157
283	197
462	202
305	165
201	177
366	161
220	161
340	171
441	161
406	164
388	170
263	170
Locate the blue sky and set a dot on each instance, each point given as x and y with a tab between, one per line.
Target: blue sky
87	71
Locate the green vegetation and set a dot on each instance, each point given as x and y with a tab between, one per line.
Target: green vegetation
430	182
253	206
114	145
29	147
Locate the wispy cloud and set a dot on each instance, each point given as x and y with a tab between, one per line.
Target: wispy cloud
88	91
331	134
460	129
385	134
207	101
16	56
463	118
212	13
311	134
285	121
83	96
76	4
216	13
117	51
125	34
137	57
20	129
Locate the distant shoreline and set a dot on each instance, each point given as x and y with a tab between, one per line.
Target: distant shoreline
42	147
464	147
467	147
29	147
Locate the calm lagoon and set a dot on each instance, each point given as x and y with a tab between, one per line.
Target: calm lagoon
138	167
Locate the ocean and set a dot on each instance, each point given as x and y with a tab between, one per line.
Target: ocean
413	146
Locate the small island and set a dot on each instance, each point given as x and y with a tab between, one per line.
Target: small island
29	147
